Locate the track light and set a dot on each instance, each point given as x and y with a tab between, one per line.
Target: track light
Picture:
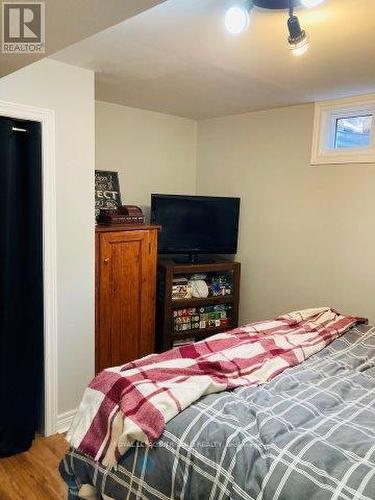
311	3
298	41
237	18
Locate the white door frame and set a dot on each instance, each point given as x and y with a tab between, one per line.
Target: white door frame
46	118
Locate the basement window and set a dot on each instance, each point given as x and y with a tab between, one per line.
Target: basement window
344	131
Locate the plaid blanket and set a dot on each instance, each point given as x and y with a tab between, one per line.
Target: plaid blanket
307	434
133	402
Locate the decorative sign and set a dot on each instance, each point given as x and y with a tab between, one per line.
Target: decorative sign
107	190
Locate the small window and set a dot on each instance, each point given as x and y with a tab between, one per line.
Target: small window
353	132
344	131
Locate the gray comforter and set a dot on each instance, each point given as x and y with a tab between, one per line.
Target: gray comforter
309	434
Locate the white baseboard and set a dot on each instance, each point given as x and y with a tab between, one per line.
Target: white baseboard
64	420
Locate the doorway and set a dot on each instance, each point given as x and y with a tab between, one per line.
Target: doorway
21	285
46	118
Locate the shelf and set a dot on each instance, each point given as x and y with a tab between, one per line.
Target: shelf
206	332
221	265
206	301
167	270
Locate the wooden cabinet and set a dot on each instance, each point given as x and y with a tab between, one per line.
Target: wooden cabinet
126	258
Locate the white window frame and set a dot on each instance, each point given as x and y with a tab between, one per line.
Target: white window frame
325	115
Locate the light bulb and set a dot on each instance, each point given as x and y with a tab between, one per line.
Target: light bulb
301	47
237	20
298	41
311	3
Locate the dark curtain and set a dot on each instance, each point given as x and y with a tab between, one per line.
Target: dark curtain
21	285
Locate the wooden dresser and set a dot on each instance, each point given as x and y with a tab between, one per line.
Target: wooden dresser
126	259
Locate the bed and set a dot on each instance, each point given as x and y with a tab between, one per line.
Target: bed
307	434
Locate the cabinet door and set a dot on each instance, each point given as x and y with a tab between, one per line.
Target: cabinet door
127	280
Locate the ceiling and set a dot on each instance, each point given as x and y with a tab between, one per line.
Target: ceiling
177	58
68	21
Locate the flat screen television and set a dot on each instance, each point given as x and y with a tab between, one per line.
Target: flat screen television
196	224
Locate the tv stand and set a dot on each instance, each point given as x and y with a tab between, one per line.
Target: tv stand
193	258
169	308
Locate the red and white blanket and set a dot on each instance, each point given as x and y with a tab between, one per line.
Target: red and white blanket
134	402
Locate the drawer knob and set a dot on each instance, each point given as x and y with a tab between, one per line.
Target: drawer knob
106	260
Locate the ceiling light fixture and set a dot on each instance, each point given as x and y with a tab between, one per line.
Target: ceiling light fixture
298	40
237	18
311	3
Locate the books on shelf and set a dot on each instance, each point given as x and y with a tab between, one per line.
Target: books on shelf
199	318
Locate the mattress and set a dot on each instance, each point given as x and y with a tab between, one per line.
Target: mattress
308	434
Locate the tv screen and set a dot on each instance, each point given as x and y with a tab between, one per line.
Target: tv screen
196	224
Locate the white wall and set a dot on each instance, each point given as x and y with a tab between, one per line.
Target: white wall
69	91
152	152
307	235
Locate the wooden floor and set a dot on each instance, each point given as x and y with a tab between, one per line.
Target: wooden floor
34	475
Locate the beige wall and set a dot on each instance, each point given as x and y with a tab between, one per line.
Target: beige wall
69	91
307	235
152	152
